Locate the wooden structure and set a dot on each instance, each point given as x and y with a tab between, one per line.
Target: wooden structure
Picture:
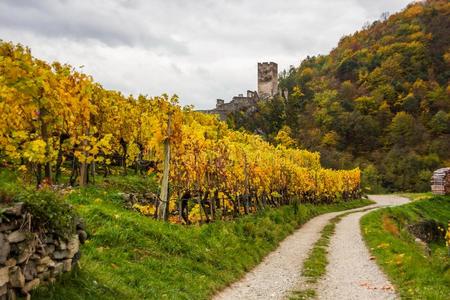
440	181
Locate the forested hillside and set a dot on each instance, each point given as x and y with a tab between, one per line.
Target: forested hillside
379	100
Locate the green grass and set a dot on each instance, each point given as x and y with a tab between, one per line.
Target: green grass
130	256
417	196
303	294
415	274
315	265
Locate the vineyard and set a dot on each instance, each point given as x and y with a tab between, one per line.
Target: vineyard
59	127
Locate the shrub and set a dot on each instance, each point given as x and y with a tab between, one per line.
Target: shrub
8	187
49	212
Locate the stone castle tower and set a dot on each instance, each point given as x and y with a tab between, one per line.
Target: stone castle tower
267	88
267	79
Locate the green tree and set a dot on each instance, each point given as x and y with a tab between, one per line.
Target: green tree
440	123
403	130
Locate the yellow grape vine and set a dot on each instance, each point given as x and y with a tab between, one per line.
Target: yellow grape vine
52	114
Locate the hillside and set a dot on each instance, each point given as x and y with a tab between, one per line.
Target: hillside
418	270
379	100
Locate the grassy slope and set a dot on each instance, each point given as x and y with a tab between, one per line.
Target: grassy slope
415	275
416	196
130	256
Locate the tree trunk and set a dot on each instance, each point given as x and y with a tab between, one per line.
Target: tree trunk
83	174
59	160
84	169
44	134
105	166
215	202
93	172
184	207
38	175
224	208
180	205
246	204
238	200
124	157
74	174
203	202
157	202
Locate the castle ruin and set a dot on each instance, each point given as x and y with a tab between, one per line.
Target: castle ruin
267	79
267	88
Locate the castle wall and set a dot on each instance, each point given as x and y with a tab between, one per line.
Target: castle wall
237	103
267	87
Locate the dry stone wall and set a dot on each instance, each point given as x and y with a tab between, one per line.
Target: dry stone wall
29	259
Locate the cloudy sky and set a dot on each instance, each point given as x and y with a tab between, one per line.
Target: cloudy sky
199	49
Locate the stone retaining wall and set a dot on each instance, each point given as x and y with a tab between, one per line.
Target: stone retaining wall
28	259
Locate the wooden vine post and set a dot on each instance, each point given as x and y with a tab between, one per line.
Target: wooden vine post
164	195
84	167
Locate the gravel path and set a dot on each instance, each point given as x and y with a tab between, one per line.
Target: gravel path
351	274
279	272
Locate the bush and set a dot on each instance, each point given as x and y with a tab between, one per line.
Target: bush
371	180
8	187
48	209
49	212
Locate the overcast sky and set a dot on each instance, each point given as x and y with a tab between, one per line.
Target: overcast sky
199	49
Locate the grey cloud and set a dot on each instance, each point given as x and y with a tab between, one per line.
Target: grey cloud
375	8
176	68
85	22
201	50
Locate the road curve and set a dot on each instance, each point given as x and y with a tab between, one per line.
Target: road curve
351	273
279	272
